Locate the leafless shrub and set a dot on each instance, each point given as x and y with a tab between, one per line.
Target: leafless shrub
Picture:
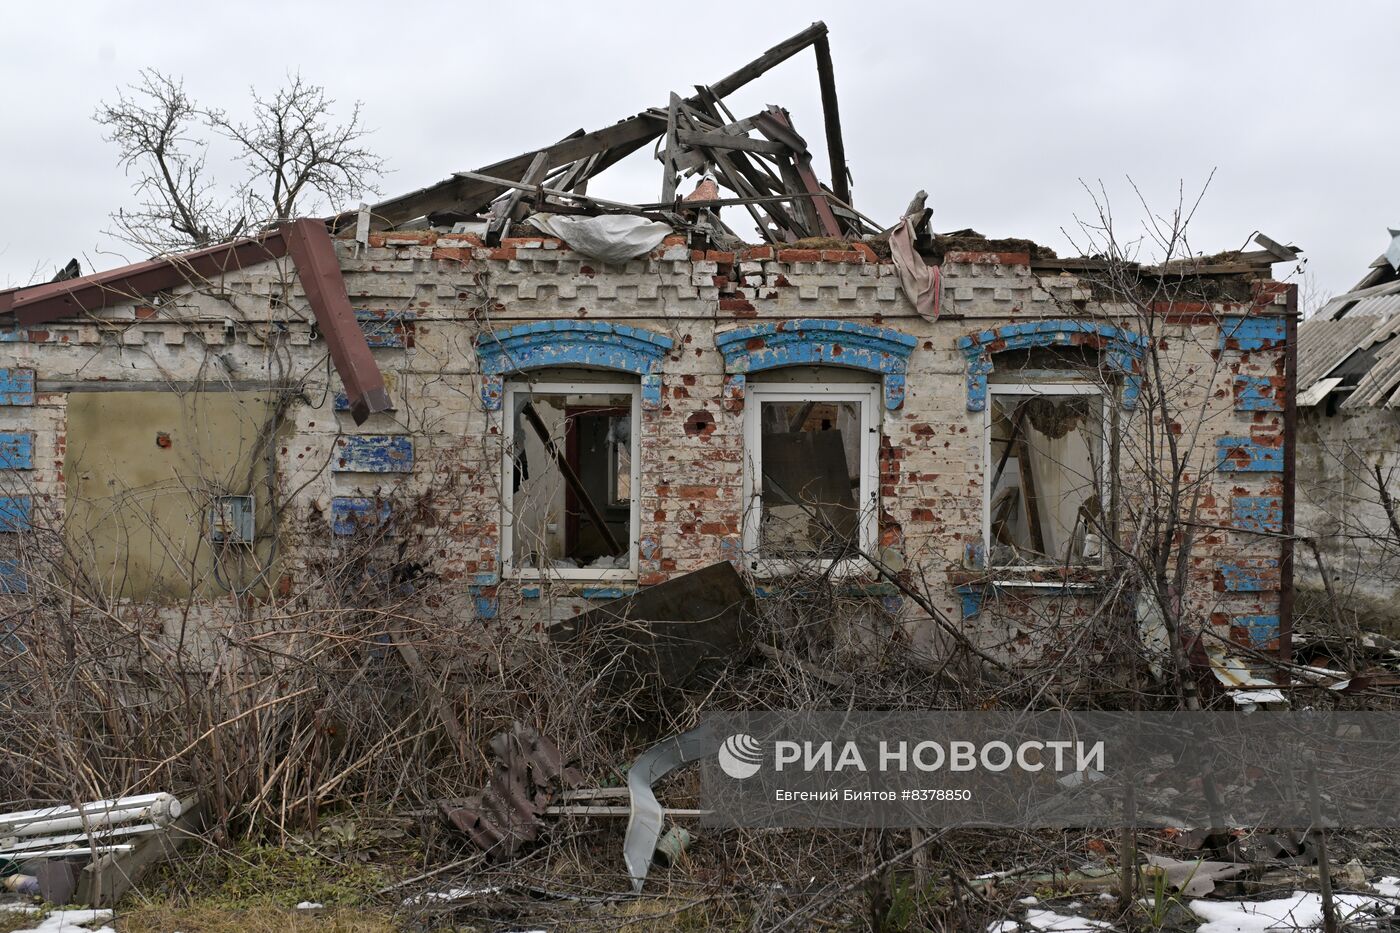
297	157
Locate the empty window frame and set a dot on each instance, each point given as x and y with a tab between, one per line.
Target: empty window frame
811	474
1046	450
569	478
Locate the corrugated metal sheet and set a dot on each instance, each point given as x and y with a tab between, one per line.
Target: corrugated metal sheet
1362	302
1376	386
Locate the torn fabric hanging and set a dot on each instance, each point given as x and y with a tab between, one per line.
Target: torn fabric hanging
922	283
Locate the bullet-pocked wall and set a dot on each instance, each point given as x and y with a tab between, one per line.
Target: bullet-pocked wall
674	367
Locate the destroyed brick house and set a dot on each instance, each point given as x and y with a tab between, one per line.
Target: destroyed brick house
1348	373
554	399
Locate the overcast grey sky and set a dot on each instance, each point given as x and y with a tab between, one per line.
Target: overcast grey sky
998	110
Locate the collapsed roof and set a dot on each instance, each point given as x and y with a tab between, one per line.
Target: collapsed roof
760	159
1348	351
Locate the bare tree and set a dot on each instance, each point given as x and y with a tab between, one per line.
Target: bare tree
296	155
154	124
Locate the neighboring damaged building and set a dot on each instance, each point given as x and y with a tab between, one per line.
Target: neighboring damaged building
539	399
1349	442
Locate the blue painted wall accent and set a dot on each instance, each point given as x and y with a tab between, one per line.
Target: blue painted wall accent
493	392
816	342
972	597
607	592
1257	513
16	450
1250	576
1124	351
386	330
374	453
15	513
12	578
1261	629
350	514
651	392
1256	393
1245	455
1252	333
531	592
486	605
572	343
14	334
16	386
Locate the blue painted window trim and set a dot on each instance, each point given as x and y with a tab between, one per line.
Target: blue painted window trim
815	342
594	344
1125	351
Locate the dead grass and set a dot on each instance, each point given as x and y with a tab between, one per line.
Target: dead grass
219	919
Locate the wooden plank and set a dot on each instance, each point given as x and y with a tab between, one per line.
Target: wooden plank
831	116
668	163
502	220
777	125
465	193
595	515
722	140
774	56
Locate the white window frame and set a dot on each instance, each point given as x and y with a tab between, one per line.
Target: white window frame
1105	493
868	500
528	388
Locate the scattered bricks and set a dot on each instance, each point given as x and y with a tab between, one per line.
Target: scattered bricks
866	253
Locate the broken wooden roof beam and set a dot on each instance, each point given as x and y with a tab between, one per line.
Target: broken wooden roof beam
463	195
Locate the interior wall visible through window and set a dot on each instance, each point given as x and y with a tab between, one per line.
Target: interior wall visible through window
811	451
571	475
1046	475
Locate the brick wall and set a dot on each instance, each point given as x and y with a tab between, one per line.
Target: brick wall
444	291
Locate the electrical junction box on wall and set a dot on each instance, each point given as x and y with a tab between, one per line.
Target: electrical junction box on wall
231	520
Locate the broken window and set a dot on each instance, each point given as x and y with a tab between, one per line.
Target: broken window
811	487
571	471
1045	475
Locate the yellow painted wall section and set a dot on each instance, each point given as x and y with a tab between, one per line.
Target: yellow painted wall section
141	469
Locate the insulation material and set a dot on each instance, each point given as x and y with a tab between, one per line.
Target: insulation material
613	238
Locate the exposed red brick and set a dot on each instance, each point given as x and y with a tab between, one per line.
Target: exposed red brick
736	304
865	251
757	253
697	492
457	253
799	255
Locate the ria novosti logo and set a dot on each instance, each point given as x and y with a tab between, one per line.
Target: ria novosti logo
740	756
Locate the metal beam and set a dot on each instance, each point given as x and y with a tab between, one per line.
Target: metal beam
74	297
313	253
